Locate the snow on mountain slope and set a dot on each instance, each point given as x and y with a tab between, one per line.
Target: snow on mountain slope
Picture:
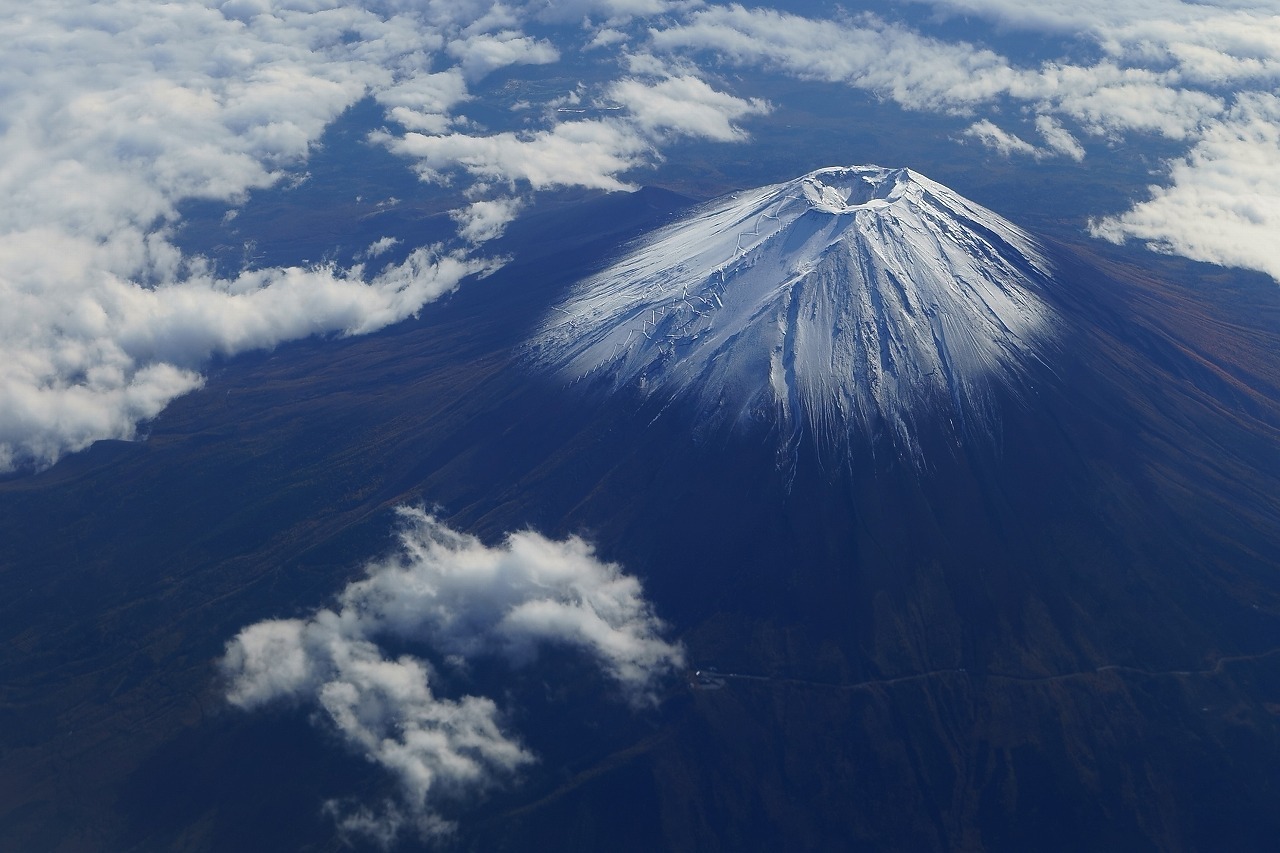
849	302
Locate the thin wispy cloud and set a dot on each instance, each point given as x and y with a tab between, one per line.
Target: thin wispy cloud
1057	140
992	136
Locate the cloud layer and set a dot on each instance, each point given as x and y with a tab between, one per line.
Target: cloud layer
1199	73
586	152
1223	202
115	113
464	600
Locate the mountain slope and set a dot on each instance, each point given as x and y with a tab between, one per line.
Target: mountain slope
849	302
1067	642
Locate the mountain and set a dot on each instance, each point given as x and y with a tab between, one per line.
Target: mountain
1053	624
848	302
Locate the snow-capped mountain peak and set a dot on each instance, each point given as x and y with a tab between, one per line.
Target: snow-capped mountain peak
850	302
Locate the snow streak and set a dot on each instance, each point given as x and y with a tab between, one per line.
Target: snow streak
850	302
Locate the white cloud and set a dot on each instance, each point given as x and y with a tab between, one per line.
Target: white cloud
613	12
463	599
116	112
423	101
924	73
89	354
915	71
687	105
588	153
1199	73
381	246
1222	203
591	152
112	114
1058	139
1059	142
485	220
999	140
606	37
482	53
1207	43
1205	72
383	708
468	599
1108	100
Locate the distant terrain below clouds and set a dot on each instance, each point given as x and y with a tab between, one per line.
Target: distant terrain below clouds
113	114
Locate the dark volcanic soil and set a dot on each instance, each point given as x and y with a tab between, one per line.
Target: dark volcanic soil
1065	639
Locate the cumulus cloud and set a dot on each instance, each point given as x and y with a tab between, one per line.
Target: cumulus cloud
1207	43
1222	203
606	37
1203	74
384	709
90	356
924	73
873	54
114	114
485	220
424	101
588	153
482	53
686	104
463	599
613	12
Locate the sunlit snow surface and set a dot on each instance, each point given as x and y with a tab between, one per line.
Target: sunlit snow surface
850	302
